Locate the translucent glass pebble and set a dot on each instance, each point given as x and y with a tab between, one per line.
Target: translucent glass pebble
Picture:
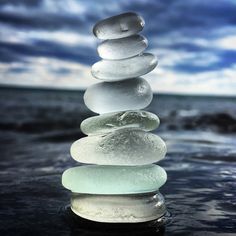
122	48
125	119
129	94
121	147
115	70
119	208
118	182
94	179
119	26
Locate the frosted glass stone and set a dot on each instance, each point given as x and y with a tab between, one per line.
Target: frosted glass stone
116	70
109	122
128	208
119	26
94	179
124	95
121	147
122	48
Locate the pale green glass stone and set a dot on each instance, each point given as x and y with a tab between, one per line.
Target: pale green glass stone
94	179
119	208
117	70
122	147
109	122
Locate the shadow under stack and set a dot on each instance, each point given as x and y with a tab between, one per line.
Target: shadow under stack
121	185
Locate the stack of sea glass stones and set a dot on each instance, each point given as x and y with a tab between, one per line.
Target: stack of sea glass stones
121	185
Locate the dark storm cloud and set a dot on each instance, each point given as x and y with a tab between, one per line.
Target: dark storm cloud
27	3
191	19
44	21
8	56
18	70
226	59
18	51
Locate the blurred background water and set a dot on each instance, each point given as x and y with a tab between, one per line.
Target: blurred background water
46	50
38	127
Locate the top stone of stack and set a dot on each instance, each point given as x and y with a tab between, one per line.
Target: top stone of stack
119	26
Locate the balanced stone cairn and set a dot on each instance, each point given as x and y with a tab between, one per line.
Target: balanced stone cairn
122	185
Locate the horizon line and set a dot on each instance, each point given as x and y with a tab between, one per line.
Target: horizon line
54	88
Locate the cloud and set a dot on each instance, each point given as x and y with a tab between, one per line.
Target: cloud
194	41
42	72
18	51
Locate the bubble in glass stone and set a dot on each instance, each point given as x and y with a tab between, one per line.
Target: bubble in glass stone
125	119
121	147
119	208
119	26
124	95
122	48
99	179
116	70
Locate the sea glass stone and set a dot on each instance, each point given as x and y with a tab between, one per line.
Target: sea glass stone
109	122
128	208
121	147
129	94
116	70
119	26
94	179
122	48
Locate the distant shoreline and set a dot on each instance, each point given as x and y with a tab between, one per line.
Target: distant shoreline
58	89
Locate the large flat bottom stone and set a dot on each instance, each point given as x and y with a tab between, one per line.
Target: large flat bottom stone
119	208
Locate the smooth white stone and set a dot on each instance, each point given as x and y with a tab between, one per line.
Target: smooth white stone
109	122
103	179
122	48
132	94
121	147
116	70
119	26
119	208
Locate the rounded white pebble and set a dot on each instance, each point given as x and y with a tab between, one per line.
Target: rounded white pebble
122	48
132	94
119	26
116	70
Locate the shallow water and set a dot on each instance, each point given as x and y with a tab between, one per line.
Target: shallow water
38	127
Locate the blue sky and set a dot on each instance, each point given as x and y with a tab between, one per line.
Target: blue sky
49	43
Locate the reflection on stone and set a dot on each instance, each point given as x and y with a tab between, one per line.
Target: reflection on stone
83	227
119	208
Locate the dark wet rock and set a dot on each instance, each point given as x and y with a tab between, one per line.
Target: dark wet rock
218	122
222	122
64	136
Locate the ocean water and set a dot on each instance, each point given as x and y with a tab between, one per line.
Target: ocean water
38	127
